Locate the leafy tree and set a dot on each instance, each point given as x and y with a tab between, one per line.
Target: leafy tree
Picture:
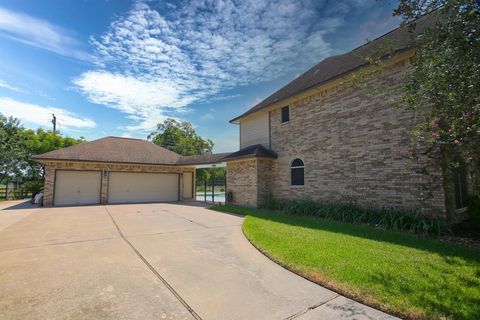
41	141
18	145
444	88
441	87
13	151
180	137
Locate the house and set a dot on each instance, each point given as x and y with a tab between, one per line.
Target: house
314	138
120	170
337	143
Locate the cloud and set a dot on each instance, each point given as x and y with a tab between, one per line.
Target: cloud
376	26
42	115
208	116
155	65
40	34
6	85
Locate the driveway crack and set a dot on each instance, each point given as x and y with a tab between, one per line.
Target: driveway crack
153	270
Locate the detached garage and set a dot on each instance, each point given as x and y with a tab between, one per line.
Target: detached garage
116	170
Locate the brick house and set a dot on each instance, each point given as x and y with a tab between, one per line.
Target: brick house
314	138
334	143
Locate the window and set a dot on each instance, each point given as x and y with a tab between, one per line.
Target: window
297	173
285	114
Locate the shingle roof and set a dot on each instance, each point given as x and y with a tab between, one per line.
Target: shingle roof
127	150
206	158
114	149
336	66
257	151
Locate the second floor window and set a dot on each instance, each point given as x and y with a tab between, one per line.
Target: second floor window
285	114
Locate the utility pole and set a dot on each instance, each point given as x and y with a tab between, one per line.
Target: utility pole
54	122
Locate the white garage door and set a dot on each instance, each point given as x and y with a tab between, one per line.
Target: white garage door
77	187
126	187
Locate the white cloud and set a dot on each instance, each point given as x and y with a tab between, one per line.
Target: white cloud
6	85
159	64
40	34
208	116
376	26
42	115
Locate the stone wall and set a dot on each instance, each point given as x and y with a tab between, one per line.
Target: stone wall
52	166
355	147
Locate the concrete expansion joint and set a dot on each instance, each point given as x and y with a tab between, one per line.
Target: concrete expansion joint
152	269
315	306
57	244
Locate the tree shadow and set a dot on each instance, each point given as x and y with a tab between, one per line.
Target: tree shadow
19	206
447	251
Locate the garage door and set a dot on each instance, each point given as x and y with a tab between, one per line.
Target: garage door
77	187
132	187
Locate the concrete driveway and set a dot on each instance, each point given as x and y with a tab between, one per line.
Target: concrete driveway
148	261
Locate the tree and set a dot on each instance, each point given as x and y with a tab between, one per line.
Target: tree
180	137
18	145
41	141
13	150
441	89
444	88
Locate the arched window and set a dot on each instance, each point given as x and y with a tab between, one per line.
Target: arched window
297	173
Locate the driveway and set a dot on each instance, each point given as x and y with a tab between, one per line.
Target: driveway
148	261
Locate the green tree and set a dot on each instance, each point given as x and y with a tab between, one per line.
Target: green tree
444	88
13	150
180	137
441	88
41	141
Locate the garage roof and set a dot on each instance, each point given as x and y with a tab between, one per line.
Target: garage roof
137	151
114	149
337	66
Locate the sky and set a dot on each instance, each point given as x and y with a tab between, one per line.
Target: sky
118	67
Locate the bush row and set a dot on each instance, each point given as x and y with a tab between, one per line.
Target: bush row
351	212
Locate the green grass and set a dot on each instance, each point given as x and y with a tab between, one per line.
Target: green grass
232	209
410	276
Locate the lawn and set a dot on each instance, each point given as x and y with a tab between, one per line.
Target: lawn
410	276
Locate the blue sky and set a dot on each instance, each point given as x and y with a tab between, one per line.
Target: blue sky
119	67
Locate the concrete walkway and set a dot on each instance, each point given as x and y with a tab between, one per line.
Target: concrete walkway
148	261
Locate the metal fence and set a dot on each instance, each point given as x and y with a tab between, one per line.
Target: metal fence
213	190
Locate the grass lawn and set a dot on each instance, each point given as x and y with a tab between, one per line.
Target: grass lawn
406	275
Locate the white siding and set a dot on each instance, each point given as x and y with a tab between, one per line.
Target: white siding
255	130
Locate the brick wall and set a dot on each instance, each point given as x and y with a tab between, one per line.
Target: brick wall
52	166
242	181
250	180
355	147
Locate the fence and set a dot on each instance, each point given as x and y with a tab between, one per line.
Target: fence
13	190
212	190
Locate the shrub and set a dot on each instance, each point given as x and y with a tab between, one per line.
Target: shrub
387	217
32	187
272	203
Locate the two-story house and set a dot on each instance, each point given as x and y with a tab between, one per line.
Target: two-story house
317	138
314	138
